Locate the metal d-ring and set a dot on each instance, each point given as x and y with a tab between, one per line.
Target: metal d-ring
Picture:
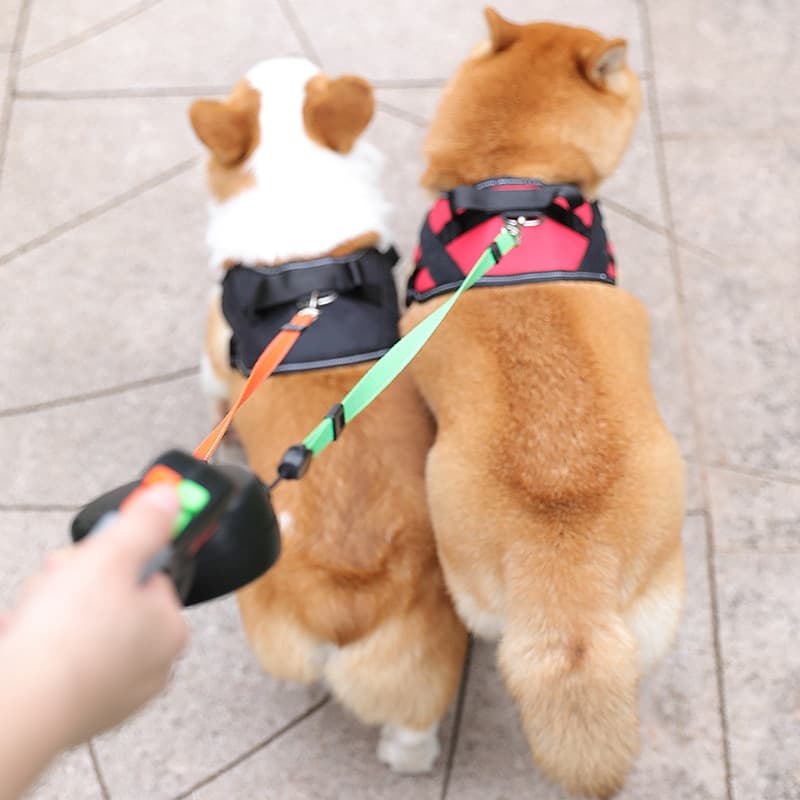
316	300
530	222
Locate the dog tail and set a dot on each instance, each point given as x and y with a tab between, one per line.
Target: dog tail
571	664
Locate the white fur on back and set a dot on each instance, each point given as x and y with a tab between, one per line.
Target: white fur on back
307	199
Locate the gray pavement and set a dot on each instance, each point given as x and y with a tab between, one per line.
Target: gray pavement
103	278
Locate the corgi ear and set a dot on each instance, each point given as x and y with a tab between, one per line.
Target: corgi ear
336	111
227	132
604	65
502	33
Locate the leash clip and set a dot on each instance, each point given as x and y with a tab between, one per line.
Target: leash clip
512	227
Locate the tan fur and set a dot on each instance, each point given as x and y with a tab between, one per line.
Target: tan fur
336	111
555	490
230	130
552	122
357	598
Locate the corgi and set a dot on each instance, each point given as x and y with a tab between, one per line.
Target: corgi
357	598
555	490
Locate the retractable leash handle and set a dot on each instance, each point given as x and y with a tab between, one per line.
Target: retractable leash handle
226	534
297	458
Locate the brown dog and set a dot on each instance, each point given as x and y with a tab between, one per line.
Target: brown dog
555	490
357	598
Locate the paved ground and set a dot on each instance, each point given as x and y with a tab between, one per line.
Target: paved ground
102	279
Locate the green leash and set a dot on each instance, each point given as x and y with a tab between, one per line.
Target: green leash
298	457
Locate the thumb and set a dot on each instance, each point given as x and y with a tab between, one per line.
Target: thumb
144	527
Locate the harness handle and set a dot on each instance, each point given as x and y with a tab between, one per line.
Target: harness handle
267	363
513	201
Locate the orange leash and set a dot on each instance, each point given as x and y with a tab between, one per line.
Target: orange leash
267	363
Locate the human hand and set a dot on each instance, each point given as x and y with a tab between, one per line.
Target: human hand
93	642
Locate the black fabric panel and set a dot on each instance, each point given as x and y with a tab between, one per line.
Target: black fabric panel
436	258
361	321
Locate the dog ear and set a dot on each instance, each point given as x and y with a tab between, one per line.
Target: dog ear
225	131
502	33
336	111
603	66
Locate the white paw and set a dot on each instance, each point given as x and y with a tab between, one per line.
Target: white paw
406	750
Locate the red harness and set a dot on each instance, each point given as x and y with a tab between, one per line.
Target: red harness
562	237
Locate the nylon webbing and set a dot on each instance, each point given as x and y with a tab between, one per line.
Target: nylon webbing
267	363
384	371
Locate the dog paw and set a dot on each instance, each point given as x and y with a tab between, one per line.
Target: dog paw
408	751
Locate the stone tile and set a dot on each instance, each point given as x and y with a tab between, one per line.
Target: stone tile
645	271
759	628
695	501
433	43
9	11
635	182
327	757
723	65
219	704
729	195
401	143
71	775
753	513
746	335
70	454
4	66
66	157
54	22
165	46
120	298
419	104
681	755
25	537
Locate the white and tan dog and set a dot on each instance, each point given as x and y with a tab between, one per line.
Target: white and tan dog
357	598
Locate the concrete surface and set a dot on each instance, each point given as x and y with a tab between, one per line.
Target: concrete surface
102	280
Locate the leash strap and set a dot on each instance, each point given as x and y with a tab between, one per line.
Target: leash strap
383	372
267	362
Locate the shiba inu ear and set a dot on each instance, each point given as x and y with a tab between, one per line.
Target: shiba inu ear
502	33
336	111
226	131
604	65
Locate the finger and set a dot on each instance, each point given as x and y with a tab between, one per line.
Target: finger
168	607
5	621
55	558
143	528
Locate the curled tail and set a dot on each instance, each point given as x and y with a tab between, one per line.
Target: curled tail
571	665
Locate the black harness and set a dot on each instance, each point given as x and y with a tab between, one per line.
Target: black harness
358	323
562	237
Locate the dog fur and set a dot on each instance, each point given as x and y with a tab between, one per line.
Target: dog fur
555	490
357	598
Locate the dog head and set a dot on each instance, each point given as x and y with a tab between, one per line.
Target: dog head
542	101
288	172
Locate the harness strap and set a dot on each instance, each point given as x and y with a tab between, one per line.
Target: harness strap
443	265
267	362
259	289
297	459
